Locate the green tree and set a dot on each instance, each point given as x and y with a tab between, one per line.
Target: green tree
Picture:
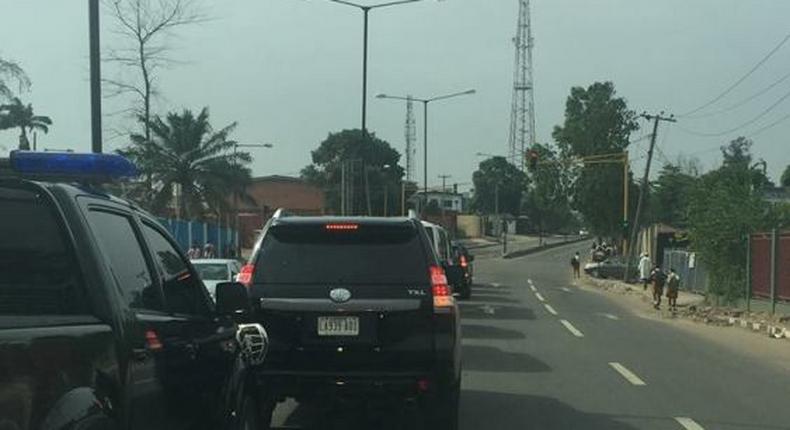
371	166
187	155
546	202
671	195
738	154
597	122
18	115
786	177
498	180
10	71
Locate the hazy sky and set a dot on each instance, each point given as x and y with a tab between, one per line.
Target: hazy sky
289	71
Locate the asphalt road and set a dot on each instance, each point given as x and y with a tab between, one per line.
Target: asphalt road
540	353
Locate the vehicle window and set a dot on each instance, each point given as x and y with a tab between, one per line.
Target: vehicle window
122	251
212	271
183	291
38	269
370	254
444	254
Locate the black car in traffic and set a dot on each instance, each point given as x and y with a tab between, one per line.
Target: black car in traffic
104	324
356	307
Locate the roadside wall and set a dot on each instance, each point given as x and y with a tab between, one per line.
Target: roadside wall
767	249
470	226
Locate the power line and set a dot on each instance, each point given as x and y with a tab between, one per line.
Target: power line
743	101
740	81
746	124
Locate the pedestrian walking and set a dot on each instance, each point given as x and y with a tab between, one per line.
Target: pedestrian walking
673	288
576	263
658	278
644	270
208	251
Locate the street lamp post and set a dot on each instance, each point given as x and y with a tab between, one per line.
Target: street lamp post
425	130
236	147
365	13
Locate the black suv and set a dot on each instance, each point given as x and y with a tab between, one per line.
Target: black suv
356	306
103	322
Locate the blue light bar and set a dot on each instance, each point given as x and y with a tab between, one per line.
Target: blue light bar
72	165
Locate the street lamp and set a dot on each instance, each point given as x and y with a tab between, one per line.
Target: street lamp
425	127
366	11
236	147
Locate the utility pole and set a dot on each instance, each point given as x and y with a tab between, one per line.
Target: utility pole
95	75
444	179
645	183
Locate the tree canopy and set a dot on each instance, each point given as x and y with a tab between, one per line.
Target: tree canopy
597	122
11	72
186	154
546	202
18	115
671	196
369	160
786	177
497	179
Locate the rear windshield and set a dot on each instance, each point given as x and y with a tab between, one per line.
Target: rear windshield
313	254
212	271
39	274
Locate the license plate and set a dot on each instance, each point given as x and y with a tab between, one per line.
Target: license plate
338	326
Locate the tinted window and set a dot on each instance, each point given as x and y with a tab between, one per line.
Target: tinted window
38	271
370	254
183	292
122	252
443	245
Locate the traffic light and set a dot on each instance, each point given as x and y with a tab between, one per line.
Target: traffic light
532	158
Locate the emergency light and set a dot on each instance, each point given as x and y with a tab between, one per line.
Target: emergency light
72	165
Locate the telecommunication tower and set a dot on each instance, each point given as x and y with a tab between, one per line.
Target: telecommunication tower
522	115
411	139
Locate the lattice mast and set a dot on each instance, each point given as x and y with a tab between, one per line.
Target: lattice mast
410	133
522	115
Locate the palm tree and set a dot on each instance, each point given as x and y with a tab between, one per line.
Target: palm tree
16	114
9	70
187	158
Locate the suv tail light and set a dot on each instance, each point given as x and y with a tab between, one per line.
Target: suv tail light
442	294
245	274
464	263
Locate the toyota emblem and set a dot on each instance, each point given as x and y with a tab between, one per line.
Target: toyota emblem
340	295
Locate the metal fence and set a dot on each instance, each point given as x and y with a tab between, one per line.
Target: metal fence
188	232
769	265
693	276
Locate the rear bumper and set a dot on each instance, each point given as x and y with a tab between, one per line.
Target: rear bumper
301	384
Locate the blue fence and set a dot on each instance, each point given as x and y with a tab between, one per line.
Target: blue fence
188	232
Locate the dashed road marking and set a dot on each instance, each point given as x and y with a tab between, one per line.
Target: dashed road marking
495	284
627	374
610	316
488	309
529	281
532	287
550	309
540	297
574	331
566	289
688	423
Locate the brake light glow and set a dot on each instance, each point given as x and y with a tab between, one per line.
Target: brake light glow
442	293
245	274
152	341
342	227
464	263
93	166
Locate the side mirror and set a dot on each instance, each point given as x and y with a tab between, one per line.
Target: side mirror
455	275
232	298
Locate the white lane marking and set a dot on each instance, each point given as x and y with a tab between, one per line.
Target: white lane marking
550	309
566	289
495	284
529	281
540	297
488	309
688	423
532	287
574	331
627	374
610	316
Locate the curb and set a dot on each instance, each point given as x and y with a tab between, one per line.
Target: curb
529	251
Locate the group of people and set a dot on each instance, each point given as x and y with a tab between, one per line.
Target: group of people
653	275
207	251
601	250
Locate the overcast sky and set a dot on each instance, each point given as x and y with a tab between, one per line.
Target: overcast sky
289	71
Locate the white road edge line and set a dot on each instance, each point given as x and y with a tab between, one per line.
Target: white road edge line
532	287
550	309
529	281
540	297
627	374
688	423
574	331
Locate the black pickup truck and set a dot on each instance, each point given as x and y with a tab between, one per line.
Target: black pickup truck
103	322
